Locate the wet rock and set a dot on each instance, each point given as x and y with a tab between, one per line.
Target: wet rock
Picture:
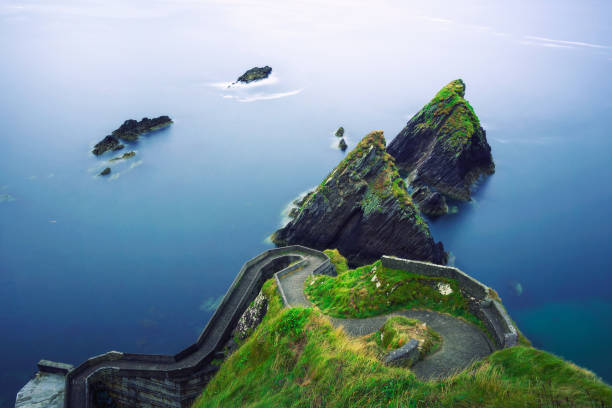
255	74
131	129
432	204
108	143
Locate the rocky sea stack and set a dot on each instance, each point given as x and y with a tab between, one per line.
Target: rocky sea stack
362	209
255	74
443	147
129	131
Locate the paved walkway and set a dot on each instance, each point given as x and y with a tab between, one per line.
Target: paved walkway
462	342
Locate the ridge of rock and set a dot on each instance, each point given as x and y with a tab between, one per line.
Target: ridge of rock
362	209
443	146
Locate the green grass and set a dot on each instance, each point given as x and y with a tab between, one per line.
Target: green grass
295	358
337	260
398	330
354	293
451	115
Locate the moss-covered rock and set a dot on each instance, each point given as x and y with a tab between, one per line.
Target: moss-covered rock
362	208
443	146
255	74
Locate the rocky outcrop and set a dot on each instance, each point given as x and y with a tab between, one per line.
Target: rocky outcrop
362	209
255	74
129	131
342	144
443	146
431	203
339	132
105	172
106	144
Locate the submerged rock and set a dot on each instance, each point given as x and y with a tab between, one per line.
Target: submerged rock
340	132
124	156
255	74
363	210
342	144
443	146
105	172
431	203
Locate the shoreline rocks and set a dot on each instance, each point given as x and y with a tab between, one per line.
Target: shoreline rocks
342	144
431	203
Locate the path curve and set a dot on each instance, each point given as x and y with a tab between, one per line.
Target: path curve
462	342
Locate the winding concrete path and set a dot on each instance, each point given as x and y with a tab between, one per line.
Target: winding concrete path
462	342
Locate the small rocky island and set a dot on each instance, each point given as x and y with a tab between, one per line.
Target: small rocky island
129	131
443	149
255	74
362	208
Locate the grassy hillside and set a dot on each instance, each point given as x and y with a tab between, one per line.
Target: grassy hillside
295	358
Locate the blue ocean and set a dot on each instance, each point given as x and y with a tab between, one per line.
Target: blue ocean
137	261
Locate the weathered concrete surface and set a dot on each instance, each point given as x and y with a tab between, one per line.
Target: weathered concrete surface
45	390
406	355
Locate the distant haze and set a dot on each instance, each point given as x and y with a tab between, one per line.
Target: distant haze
135	262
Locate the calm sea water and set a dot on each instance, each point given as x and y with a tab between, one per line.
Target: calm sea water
136	262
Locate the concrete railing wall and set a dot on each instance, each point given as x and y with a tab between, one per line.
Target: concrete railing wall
178	384
489	310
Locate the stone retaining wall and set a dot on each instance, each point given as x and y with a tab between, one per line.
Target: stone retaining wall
488	309
142	379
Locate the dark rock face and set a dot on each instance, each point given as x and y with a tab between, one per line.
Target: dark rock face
340	132
432	204
255	74
443	146
105	172
108	143
342	144
363	210
131	129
